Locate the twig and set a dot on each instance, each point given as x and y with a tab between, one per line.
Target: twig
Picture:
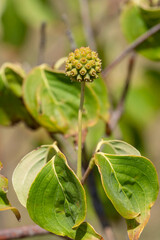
69	33
22	232
86	174
130	48
88	170
117	113
87	24
42	43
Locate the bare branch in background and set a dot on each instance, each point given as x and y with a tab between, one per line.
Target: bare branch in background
117	113
87	24
22	232
42	43
130	48
69	33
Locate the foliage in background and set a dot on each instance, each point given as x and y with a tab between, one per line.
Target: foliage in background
35	104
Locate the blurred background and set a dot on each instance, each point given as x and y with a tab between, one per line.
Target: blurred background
20	24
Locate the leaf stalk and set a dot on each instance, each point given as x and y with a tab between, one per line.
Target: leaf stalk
80	113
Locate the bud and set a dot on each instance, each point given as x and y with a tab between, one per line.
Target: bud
83	65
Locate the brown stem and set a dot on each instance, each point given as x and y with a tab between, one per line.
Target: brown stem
86	174
88	170
42	43
131	47
117	113
22	232
87	23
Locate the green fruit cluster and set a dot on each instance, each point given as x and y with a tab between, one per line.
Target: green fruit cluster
83	65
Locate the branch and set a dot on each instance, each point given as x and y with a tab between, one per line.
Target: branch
87	24
42	43
130	48
88	170
117	113
69	33
22	232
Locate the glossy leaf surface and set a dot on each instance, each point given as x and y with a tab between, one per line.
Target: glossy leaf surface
4	203
53	100
138	18
57	201
12	109
28	168
130	181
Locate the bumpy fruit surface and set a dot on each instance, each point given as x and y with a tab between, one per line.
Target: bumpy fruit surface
83	65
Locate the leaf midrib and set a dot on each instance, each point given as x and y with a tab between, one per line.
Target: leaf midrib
102	154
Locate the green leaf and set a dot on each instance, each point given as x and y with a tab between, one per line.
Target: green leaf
13	28
99	87
53	100
28	168
12	109
26	10
130	182
55	197
93	135
136	19
117	147
4	203
86	232
57	201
